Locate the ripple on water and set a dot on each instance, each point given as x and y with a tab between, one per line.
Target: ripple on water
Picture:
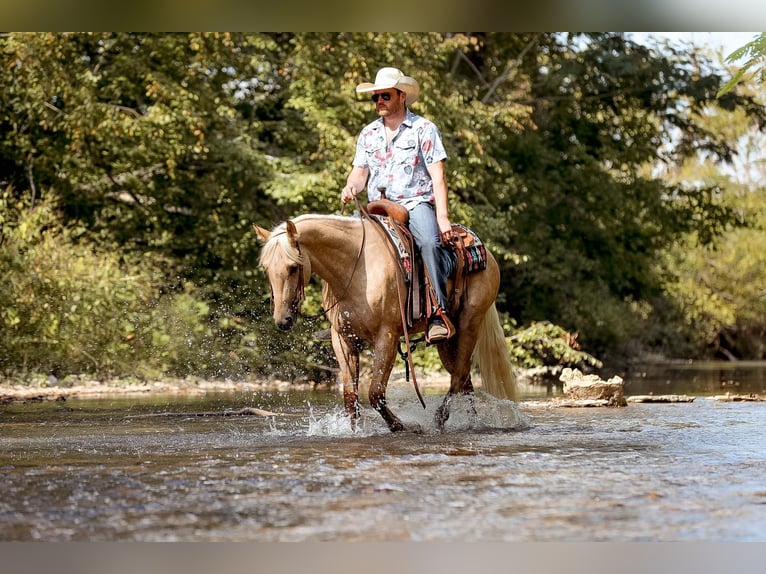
643	472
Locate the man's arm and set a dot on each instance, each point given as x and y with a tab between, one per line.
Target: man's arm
440	200
355	183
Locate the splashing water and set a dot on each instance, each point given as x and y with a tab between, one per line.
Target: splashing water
480	412
490	413
337	424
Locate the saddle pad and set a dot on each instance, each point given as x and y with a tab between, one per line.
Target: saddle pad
405	257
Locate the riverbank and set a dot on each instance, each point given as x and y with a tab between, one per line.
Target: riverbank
44	389
49	388
724	381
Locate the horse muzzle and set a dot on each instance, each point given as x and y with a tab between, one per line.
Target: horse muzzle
285	323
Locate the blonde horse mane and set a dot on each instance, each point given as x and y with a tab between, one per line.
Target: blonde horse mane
278	246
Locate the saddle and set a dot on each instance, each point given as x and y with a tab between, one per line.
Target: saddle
467	249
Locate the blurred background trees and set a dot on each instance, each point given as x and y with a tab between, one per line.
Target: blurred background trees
611	182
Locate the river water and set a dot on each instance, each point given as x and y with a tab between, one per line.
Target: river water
152	469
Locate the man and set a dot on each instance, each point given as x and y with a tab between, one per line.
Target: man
401	154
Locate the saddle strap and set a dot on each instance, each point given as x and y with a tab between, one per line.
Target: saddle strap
460	277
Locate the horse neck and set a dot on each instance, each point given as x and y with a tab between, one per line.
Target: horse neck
333	246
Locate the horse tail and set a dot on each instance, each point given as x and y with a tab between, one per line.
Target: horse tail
492	359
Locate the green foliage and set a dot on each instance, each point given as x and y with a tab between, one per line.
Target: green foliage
719	291
71	306
593	221
545	344
150	140
713	297
754	54
64	302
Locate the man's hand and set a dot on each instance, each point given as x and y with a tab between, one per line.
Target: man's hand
349	192
355	183
445	229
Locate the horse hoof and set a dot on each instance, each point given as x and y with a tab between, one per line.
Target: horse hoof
441	418
396	426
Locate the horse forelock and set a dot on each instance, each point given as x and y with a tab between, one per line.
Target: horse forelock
278	246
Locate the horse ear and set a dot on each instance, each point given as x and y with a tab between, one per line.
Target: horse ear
292	234
262	234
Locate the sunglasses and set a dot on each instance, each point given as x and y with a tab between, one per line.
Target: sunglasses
385	95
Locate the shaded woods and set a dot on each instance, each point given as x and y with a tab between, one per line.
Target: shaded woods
133	165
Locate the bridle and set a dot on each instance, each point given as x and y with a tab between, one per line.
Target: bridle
297	258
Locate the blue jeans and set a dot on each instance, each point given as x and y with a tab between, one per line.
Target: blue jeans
437	259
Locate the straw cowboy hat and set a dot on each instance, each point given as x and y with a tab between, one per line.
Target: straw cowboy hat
392	78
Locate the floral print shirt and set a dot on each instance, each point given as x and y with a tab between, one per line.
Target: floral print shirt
401	166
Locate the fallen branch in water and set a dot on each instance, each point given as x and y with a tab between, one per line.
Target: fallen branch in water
240	412
660	399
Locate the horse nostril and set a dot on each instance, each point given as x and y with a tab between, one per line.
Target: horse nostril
285	324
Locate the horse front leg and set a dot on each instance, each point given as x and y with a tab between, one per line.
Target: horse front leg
348	359
385	353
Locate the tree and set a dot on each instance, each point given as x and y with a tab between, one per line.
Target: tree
156	141
594	220
755	52
718	288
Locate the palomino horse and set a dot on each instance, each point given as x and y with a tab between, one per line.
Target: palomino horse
361	296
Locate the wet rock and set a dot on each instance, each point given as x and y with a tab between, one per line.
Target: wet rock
730	398
580	403
593	389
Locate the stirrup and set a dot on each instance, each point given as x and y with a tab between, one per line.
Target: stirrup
439	327
437	331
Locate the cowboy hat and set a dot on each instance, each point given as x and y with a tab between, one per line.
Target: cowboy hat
392	78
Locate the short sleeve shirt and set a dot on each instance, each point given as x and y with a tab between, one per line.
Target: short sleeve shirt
401	167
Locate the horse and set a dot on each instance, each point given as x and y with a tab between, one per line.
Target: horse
361	298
